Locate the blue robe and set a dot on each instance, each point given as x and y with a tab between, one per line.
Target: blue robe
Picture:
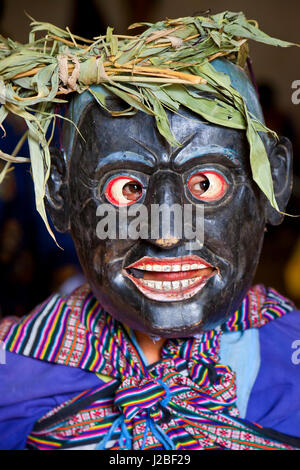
266	361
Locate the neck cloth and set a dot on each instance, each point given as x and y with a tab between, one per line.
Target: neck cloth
185	401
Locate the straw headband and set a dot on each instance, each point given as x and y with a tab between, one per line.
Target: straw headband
172	63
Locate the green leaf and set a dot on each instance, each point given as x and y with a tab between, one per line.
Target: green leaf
209	109
259	161
40	174
162	120
130	52
128	97
241	27
30	76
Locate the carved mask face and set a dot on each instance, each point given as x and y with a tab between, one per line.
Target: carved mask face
160	284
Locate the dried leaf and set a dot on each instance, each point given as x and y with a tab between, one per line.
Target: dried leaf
175	41
154	67
260	165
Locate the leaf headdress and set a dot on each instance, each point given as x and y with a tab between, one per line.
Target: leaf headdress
167	66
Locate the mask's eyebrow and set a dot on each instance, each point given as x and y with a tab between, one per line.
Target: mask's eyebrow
145	147
126	157
208	150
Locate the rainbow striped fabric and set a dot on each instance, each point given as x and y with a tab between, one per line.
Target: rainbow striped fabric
185	401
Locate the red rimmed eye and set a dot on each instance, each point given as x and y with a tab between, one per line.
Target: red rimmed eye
207	185
123	190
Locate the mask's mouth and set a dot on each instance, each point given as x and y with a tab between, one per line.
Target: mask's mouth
170	279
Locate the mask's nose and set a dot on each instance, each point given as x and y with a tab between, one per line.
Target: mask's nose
165	206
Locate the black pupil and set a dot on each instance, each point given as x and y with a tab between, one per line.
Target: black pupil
133	187
204	185
132	191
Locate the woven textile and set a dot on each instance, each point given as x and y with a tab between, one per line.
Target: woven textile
185	401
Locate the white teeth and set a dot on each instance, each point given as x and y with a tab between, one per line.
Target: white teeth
176	267
148	267
157	267
189	267
152	284
171	267
176	284
186	267
167	285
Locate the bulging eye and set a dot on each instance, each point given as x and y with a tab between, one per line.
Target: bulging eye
123	190
207	185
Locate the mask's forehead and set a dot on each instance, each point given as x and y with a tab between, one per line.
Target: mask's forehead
241	83
238	78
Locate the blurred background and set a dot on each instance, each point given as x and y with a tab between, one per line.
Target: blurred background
31	265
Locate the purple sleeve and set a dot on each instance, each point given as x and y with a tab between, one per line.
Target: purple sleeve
275	398
29	388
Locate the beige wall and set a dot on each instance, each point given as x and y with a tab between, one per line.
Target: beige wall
59	12
16	24
278	18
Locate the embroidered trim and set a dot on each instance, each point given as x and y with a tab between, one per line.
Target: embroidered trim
185	401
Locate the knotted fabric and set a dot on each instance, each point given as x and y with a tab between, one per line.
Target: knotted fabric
187	400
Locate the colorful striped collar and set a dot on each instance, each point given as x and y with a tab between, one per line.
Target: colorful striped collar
185	401
77	332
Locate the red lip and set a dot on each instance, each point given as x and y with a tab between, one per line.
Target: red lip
191	259
170	279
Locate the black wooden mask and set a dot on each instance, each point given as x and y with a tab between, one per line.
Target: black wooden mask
162	285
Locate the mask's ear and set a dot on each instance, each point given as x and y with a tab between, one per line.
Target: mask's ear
281	159
57	194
